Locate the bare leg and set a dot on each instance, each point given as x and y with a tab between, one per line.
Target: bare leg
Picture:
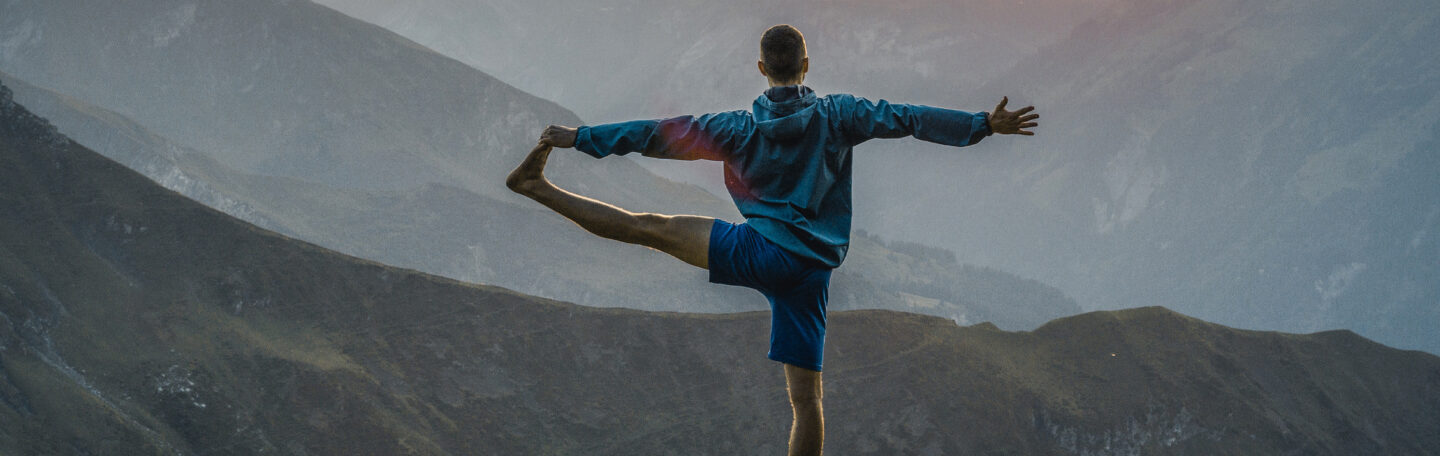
807	432
686	237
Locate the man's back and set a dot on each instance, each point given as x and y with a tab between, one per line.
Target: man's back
787	161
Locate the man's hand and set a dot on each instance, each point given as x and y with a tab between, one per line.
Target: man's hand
559	136
1010	122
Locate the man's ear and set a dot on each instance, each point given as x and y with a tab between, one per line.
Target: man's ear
761	65
805	65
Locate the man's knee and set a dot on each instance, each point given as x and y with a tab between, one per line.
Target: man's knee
806	393
685	237
804	401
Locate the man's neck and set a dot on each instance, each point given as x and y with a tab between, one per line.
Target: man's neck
782	93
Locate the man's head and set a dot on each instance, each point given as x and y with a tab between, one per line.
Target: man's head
782	56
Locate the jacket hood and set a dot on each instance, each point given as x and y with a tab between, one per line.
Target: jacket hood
784	113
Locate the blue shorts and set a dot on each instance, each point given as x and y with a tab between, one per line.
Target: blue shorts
797	288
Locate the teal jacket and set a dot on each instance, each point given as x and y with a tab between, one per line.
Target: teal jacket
787	162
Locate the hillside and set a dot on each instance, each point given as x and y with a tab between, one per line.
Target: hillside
293	89
134	320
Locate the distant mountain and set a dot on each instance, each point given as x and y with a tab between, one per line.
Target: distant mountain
134	320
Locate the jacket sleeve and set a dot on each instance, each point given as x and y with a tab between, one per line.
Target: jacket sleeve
863	120
708	137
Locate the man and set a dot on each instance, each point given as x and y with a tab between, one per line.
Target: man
787	166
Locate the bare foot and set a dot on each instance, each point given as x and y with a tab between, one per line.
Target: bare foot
529	177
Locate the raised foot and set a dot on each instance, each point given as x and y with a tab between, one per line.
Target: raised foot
529	177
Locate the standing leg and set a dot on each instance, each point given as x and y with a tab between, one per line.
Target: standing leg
686	237
807	432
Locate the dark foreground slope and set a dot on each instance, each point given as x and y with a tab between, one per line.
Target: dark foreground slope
133	320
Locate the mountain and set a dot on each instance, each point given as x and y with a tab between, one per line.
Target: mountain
293	89
1265	165
456	220
134	320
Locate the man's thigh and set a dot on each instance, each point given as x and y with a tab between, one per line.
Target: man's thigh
686	237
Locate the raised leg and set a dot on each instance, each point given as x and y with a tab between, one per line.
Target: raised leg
686	237
807	432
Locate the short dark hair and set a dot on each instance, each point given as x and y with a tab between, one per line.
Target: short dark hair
782	50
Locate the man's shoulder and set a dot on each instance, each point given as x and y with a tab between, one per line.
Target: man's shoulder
843	101
722	116
737	119
839	104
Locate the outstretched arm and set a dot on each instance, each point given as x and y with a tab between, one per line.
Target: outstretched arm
863	120
706	137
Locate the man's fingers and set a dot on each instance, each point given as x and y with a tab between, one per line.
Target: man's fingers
1025	110
1029	125
558	136
1026	133
1028	117
549	137
1001	106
